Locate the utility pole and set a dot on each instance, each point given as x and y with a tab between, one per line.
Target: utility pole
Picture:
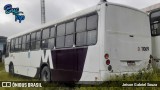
43	18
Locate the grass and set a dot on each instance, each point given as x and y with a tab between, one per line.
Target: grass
145	76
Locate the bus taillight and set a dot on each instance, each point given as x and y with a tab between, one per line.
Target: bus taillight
108	62
106	56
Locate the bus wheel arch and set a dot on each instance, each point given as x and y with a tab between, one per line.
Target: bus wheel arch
45	74
11	68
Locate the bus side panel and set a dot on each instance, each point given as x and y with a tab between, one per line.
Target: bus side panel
91	71
91	65
68	64
37	58
6	63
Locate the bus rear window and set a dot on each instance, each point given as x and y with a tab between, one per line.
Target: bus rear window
155	23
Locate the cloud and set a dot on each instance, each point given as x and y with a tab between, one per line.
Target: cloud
60	8
54	9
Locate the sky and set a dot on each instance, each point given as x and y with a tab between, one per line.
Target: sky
55	9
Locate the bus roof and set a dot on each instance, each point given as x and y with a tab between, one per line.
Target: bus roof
121	5
72	16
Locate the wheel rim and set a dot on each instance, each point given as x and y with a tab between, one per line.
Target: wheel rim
46	76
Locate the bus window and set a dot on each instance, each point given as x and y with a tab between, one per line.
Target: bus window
81	24
51	41
12	45
45	36
69	39
155	23
38	40
20	43
60	36
70	28
45	33
81	39
86	36
23	42
16	45
53	32
61	30
92	22
38	35
28	42
33	41
92	37
60	42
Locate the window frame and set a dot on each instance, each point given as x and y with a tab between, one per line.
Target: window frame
32	41
57	36
16	46
152	23
27	48
65	35
12	47
86	16
74	26
153	29
54	37
19	44
24	43
46	39
47	28
35	40
39	40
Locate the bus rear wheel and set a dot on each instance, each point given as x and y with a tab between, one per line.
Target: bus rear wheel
11	69
45	74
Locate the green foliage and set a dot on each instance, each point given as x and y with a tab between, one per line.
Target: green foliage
142	75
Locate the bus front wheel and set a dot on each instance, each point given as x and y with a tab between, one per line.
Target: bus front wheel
11	69
45	74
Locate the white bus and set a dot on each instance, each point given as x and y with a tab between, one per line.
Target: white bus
155	32
90	45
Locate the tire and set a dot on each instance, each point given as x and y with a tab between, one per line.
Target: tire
46	74
11	69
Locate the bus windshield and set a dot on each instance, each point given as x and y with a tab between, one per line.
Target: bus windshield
155	23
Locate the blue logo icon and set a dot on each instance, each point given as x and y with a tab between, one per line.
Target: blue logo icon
15	11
